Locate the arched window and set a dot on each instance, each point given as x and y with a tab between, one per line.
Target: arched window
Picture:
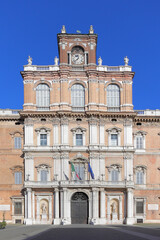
77	97
42	97
113	98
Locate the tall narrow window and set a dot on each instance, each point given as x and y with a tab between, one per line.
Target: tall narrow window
17	142
44	174
79	140
114	139
139	177
18	208
114	175
18	177
42	97
77	97
139	142
43	139
140	207
113	97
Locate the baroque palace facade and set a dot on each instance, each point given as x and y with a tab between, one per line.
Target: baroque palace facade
78	152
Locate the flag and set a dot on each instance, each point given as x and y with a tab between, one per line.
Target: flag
65	176
90	170
73	170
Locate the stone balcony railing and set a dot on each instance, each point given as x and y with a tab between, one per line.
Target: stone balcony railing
78	68
41	68
148	112
114	68
78	183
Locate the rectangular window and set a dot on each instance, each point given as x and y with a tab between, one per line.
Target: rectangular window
139	142
18	177
44	174
86	58
139	178
79	140
17	142
139	207
43	139
114	140
114	176
17	208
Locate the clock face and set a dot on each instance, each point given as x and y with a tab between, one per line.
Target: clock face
77	58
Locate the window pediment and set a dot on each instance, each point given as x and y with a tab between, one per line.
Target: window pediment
79	157
114	167
42	130
140	168
114	130
18	133
43	167
17	168
139	133
78	130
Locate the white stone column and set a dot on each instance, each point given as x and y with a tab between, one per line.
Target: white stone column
128	133
28	133
62	204
120	208
102	204
33	205
93	133
64	166
55	134
108	209
29	168
95	205
29	207
130	219
38	209
102	167
26	200
57	167
128	167
65	203
56	206
50	208
101	134
64	132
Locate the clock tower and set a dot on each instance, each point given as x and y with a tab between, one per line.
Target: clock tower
77	51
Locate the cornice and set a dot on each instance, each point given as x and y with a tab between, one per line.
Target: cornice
86	114
150	119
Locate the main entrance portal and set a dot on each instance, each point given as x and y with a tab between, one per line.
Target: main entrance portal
79	208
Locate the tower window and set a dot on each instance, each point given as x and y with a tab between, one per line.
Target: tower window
43	97
113	97
77	97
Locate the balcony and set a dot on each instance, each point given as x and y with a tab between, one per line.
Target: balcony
114	68
39	184
78	183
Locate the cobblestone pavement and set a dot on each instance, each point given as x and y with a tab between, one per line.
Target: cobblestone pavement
81	232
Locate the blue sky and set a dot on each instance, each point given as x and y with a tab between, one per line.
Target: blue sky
124	27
